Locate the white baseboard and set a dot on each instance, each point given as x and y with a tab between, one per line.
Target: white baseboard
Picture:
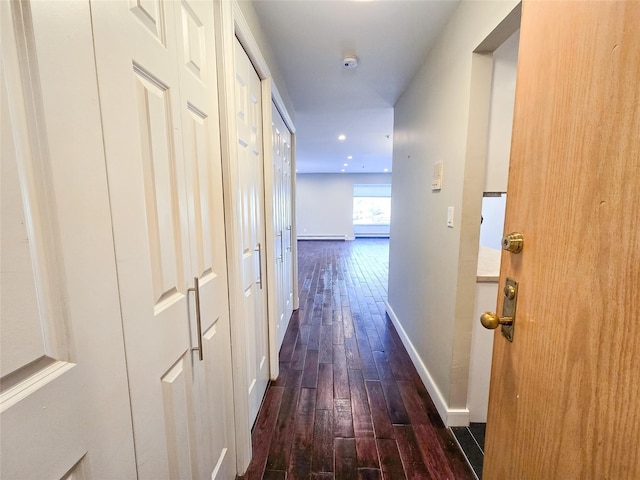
452	417
324	237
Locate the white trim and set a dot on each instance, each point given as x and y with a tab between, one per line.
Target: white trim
294	224
452	417
228	133
282	110
323	237
248	41
269	238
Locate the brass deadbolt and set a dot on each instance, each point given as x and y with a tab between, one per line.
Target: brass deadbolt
513	242
510	292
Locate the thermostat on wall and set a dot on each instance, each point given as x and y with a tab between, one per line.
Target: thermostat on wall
436	181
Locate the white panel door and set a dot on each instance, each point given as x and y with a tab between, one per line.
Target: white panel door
64	400
250	184
157	78
201	143
288	214
282	226
287	256
278	223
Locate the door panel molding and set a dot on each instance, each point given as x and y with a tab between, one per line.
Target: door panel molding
52	143
32	193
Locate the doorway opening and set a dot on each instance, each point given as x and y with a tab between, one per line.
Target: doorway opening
498	125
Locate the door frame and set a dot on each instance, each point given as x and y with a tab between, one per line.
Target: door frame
230	23
481	81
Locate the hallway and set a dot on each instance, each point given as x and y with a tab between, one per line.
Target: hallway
348	403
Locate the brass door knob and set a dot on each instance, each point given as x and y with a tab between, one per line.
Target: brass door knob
513	242
491	321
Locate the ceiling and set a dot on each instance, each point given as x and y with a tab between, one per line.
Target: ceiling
310	38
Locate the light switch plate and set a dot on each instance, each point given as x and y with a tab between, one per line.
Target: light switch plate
436	180
450	217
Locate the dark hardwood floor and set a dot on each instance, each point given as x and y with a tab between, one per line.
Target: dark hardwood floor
348	403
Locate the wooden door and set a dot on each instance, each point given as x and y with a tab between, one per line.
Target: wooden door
564	395
250	184
64	400
157	78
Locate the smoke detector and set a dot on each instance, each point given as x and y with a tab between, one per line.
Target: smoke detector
350	61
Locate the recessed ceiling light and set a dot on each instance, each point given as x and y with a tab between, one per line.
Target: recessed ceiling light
345	165
342	170
386	169
342	136
349	157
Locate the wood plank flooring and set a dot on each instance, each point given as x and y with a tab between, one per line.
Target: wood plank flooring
348	403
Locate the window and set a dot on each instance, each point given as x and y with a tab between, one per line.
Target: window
371	210
371	204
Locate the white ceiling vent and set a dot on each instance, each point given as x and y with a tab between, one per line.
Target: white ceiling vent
350	61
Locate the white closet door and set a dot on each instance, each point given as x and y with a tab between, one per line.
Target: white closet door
250	179
288	254
282	221
287	208
156	72
64	402
201	141
278	223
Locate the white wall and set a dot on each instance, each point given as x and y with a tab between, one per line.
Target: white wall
503	92
432	268
481	350
324	202
492	227
503	96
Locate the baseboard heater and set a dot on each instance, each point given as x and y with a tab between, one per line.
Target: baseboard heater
323	237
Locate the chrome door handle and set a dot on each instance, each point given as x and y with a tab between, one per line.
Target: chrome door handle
196	290
259	250
290	230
